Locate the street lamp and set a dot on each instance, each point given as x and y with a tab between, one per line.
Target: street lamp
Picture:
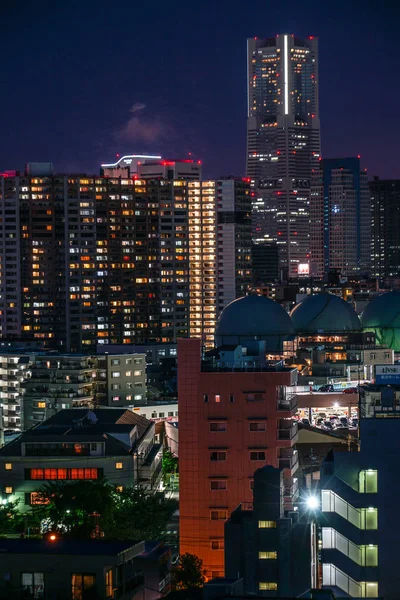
312	502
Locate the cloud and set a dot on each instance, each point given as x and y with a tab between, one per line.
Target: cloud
137	106
143	129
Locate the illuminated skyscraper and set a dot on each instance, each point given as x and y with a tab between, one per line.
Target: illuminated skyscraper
340	218
283	143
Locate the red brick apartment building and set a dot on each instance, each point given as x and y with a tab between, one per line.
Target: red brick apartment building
231	422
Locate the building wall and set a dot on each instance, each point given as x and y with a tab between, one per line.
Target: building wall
128	372
340	218
172	438
385	246
234	240
58	569
197	442
21	486
342	476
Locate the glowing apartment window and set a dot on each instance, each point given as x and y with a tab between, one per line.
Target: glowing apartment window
118	465
109	583
217	398
81	584
368	481
33	584
8	466
269	586
8	489
41	404
266	524
270	555
218	515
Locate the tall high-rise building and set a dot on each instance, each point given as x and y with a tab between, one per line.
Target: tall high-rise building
385	240
283	142
234	239
340	218
103	260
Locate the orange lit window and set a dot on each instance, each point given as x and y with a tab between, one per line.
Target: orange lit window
49	227
37	498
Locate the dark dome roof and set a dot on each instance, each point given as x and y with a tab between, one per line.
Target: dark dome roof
382	316
254	318
324	313
382	311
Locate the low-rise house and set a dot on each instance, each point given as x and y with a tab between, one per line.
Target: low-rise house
78	444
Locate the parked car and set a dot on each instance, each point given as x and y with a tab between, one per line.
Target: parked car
344	422
354	423
329	425
350	390
318	422
328	387
305	422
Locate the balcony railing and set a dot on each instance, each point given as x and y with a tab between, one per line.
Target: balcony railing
289	462
291	489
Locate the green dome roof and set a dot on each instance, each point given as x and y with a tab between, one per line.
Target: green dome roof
382	316
253	318
324	313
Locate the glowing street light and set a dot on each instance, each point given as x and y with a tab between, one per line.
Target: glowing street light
312	502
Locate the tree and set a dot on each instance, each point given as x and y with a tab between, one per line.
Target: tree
85	509
169	463
11	520
138	515
78	507
188	573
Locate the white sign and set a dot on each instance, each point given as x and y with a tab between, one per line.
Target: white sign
304	269
387	370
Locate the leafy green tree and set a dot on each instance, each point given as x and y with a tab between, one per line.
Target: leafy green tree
78	507
137	515
84	509
188	573
169	463
11	520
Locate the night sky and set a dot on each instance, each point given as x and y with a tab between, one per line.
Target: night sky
83	80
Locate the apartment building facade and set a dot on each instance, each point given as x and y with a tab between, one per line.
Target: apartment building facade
230	423
102	260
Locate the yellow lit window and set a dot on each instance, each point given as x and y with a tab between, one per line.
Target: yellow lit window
109	583
120	488
267	586
118	465
49	227
266	524
267	555
368	481
8	490
8	466
41	404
